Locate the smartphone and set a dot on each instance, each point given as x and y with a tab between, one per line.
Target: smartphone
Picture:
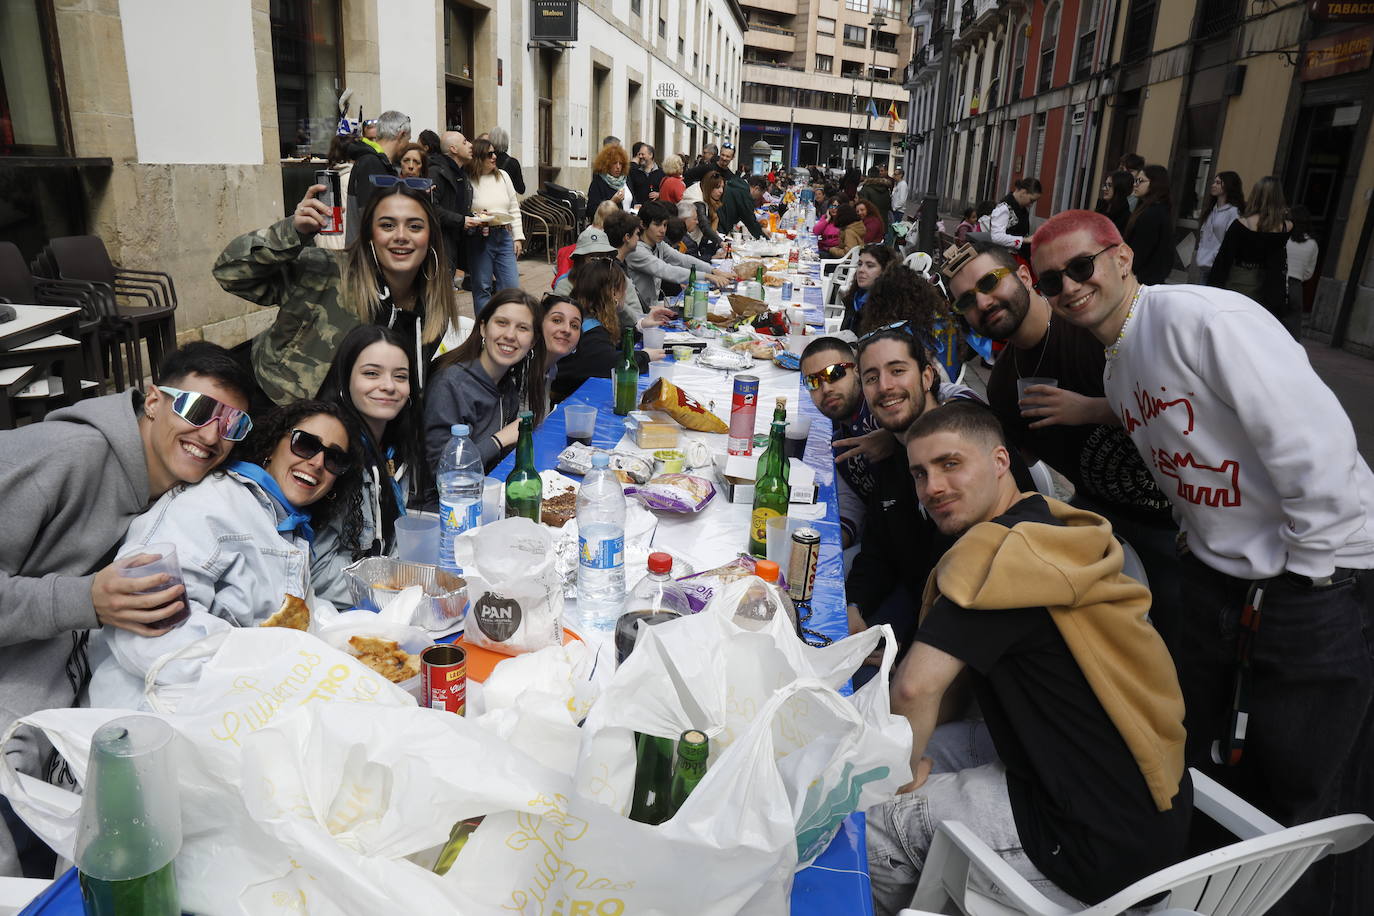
332	197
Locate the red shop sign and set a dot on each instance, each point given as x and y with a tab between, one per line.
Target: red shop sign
1348	52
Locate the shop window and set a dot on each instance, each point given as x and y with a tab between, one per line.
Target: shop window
307	59
32	108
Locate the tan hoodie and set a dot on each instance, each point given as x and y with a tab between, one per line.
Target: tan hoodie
1074	571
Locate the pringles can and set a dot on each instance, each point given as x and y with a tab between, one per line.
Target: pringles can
444	678
744	406
801	564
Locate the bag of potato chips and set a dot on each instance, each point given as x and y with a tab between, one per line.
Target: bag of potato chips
686	410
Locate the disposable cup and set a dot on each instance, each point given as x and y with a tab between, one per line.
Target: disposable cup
493	501
579	420
135	562
779	539
1023	383
417	539
653	338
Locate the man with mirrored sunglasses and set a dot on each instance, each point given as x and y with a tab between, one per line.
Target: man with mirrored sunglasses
1069	424
70	486
1276	506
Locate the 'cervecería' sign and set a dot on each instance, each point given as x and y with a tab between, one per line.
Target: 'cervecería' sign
1342	10
553	20
1347	52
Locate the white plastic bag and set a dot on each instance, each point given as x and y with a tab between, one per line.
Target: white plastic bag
515	593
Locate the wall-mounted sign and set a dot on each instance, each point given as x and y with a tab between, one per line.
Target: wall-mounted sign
1342	10
553	20
839	138
668	91
1346	52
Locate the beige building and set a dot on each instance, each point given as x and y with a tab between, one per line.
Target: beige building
168	127
823	82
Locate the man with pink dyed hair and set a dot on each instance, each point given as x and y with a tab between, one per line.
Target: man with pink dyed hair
1276	508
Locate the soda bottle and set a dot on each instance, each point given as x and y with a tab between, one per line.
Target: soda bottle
692	750
524	489
626	375
460	491
771	491
601	546
652	798
757	607
655	599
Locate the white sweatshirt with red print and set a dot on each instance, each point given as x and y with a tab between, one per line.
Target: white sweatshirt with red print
1253	449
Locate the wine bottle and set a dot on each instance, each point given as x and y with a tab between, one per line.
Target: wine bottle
771	492
692	750
626	375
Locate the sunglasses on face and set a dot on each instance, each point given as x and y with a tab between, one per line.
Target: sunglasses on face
307	445
831	373
984	284
415	184
201	410
1079	269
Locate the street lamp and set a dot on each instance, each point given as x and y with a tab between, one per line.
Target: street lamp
874	24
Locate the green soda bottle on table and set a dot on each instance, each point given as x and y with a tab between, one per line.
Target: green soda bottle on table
130	827
780	416
689	297
524	489
692	750
771	492
626	375
652	799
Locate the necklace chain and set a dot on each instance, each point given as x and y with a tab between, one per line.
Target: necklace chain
1115	348
1044	345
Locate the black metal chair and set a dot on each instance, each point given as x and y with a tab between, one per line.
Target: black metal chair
19	285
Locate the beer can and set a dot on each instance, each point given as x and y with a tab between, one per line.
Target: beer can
444	678
801	564
331	197
786	290
743	406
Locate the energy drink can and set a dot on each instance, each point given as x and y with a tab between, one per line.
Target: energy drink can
801	564
743	407
444	678
331	197
786	290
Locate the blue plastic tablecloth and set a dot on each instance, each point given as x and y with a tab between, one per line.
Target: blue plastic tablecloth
837	882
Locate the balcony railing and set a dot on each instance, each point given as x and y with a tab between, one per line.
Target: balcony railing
775	29
1219	16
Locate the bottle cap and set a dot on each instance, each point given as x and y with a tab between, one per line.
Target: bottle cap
525	415
766	570
459	429
660	563
601	460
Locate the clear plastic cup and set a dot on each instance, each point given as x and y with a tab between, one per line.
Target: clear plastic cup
580	422
1023	383
493	501
135	562
417	539
653	338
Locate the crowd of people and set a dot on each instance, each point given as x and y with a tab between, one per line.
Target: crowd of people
1056	693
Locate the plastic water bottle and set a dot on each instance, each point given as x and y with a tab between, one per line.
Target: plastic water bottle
658	591
460	491
601	546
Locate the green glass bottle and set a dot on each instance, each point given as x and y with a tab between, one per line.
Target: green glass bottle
626	376
692	750
780	416
652	797
771	492
689	297
524	489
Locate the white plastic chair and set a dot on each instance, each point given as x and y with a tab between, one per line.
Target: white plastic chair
1243	879
834	283
1043	479
920	262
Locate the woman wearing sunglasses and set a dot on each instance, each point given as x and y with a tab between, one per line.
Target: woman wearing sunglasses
393	274
243	537
370	380
493	375
492	253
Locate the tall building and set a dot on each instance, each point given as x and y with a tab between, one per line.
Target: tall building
167	128
823	82
1061	89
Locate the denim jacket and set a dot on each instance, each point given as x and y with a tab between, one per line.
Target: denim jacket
237	569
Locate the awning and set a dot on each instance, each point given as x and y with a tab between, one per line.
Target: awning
673	112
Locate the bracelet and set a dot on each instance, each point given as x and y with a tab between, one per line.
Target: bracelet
499	446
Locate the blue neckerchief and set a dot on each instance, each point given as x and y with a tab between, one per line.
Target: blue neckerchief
859	299
296	521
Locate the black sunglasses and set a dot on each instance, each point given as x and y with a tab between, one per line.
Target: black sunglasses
831	373
306	445
415	184
984	284
1079	269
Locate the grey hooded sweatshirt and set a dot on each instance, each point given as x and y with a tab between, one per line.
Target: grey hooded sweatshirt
69	488
464	393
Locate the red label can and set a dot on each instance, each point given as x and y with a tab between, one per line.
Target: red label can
444	678
743	407
331	197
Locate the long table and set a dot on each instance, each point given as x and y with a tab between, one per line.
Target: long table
837	882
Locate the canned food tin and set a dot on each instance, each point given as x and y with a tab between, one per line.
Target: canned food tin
786	290
743	407
444	678
801	565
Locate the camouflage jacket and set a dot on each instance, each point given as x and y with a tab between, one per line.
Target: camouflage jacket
278	267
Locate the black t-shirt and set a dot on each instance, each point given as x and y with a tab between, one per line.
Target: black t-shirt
1082	808
1100	459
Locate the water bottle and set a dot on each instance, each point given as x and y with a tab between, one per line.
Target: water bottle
460	491
601	546
658	591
